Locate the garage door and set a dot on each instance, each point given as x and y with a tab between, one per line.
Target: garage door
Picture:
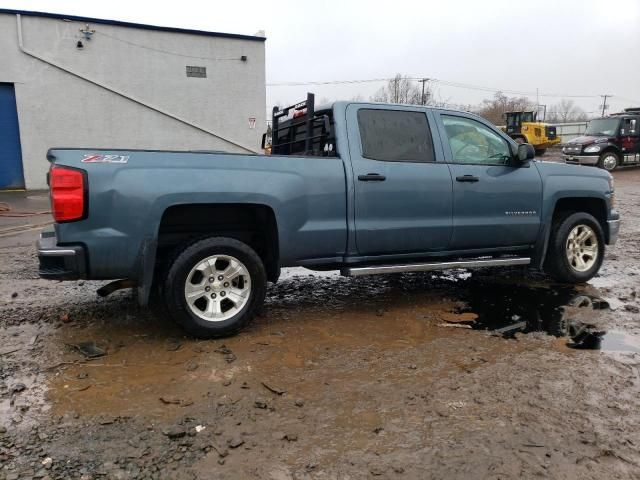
11	175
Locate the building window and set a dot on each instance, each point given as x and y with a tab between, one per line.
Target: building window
198	72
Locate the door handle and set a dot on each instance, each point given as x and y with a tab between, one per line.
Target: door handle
468	178
372	177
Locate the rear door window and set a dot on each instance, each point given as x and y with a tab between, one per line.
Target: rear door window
395	136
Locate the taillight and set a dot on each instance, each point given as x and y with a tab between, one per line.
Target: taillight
67	193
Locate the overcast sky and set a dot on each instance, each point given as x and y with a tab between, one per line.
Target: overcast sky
568	47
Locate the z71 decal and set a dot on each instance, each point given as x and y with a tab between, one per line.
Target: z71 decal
105	159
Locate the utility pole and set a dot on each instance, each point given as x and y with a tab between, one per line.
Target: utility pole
423	98
604	103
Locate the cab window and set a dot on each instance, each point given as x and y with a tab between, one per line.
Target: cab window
395	136
472	142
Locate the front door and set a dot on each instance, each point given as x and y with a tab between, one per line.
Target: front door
495	203
403	195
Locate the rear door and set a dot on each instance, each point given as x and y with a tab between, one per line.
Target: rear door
495	203
403	194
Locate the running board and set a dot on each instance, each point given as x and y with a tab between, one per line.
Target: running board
425	267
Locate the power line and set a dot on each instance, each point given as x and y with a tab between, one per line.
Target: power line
513	92
637	102
167	52
328	82
435	80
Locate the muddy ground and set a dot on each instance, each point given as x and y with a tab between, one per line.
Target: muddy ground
489	374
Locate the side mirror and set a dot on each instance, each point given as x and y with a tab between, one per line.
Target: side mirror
525	152
264	140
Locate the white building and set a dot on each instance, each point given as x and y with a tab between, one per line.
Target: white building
81	82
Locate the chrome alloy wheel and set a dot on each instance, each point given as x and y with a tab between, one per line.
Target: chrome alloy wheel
217	288
610	161
582	248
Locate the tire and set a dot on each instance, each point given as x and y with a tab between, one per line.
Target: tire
576	248
609	161
541	152
227	282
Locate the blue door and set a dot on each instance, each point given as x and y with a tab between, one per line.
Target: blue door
403	193
11	175
495	203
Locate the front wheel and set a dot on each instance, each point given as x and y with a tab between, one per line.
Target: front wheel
608	160
215	286
576	248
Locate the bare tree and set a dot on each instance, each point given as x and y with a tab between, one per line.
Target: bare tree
400	89
495	108
566	111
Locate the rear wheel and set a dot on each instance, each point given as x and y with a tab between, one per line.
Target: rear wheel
609	161
576	248
215	286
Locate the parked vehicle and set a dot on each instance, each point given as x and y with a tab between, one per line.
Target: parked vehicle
358	187
608	142
524	127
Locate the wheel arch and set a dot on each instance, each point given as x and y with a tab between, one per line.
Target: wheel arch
251	223
593	205
612	148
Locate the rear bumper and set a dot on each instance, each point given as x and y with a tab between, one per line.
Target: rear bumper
60	262
581	159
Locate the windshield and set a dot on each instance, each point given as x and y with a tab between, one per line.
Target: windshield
603	126
527	117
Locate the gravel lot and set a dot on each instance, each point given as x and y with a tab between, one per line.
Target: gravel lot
445	376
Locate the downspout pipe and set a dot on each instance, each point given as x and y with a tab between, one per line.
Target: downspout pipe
123	94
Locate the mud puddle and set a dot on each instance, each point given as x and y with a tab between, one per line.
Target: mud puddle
563	312
150	368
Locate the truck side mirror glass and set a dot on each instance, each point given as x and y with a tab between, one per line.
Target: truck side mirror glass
525	152
264	140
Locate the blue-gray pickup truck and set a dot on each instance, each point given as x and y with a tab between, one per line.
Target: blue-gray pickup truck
358	187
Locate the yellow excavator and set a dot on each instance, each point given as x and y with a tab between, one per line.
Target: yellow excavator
524	127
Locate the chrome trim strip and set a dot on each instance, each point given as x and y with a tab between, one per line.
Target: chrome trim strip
425	267
56	253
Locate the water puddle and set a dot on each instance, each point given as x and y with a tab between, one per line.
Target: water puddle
562	312
615	341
